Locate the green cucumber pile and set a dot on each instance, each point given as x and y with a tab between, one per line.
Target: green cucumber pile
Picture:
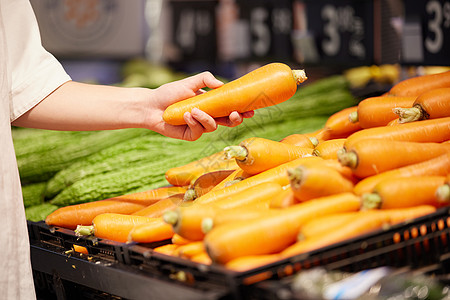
60	168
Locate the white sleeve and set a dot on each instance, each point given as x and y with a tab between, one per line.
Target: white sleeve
35	73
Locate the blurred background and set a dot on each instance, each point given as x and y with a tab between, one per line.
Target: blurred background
149	42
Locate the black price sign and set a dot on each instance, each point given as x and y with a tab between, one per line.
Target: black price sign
269	27
194	29
342	31
426	33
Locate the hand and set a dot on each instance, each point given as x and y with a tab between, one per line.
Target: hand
198	122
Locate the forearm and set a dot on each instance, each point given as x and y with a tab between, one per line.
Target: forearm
78	106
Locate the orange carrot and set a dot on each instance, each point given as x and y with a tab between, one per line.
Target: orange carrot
321	134
321	225
339	125
151	196
372	156
82	214
255	155
157	209
266	86
378	111
111	226
404	192
300	140
284	199
276	174
152	231
185	175
328	149
179	240
427	131
439	166
416	86
430	105
406	214
363	223
167	249
245	263
80	249
271	234
443	192
202	258
313	181
205	183
187	221
189	250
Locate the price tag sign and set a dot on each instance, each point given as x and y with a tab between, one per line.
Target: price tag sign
268	27
426	33
194	30
342	31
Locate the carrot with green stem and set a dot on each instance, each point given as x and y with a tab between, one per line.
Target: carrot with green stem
339	125
271	234
313	181
112	226
416	86
372	156
439	166
378	111
186	174
266	86
430	105
300	140
255	155
328	149
404	192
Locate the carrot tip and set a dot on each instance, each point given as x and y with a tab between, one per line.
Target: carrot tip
170	217
353	117
189	195
84	230
316	152
443	193
314	141
299	76
237	152
371	201
349	159
207	225
407	115
295	176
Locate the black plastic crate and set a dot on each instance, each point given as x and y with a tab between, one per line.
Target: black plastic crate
421	242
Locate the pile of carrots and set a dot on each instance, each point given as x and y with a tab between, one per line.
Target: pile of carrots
370	166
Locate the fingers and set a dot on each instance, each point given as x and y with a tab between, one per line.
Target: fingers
198	122
204	79
234	118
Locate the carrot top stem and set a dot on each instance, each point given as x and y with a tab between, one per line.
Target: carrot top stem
189	195
443	193
237	152
295	176
314	140
349	159
170	217
299	76
353	117
371	201
84	230
410	114
207	225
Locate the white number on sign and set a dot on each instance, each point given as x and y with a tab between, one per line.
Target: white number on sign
440	20
260	29
332	44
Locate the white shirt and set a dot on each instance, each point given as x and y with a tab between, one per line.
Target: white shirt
28	74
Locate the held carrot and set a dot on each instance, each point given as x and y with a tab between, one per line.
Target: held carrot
111	226
364	222
426	131
430	105
404	192
266	86
300	140
186	174
82	214
370	156
152	231
378	111
205	183
157	209
276	175
255	155
313	181
271	234
339	125
328	149
418	85
439	166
